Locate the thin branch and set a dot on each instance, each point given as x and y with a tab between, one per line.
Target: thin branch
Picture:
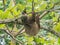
13	20
18	20
14	27
7	21
11	36
52	9
20	30
14	2
32	5
45	11
4	4
43	14
52	31
7	27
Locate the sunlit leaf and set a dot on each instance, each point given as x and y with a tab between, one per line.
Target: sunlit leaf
57	27
11	4
29	1
2	25
20	7
54	18
29	39
42	6
37	40
51	5
5	1
52	14
59	40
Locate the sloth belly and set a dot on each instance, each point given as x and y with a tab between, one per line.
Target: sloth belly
33	30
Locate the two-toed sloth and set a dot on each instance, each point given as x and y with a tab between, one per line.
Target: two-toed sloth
31	23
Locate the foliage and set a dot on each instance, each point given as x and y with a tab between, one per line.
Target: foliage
14	11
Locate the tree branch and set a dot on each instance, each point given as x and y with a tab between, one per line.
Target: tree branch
20	30
7	27
17	20
43	14
13	20
46	11
11	36
4	4
32	5
52	31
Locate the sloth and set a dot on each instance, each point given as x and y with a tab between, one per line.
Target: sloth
31	23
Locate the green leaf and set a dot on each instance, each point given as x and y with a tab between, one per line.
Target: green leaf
20	7
10	16
12	4
2	25
42	6
54	1
29	1
54	19
5	1
59	40
1	13
57	27
29	44
5	14
14	11
37	40
51	5
52	14
29	39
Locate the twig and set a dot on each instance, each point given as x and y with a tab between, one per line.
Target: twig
14	2
50	30
7	27
10	20
14	27
32	5
43	14
4	5
12	36
20	30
